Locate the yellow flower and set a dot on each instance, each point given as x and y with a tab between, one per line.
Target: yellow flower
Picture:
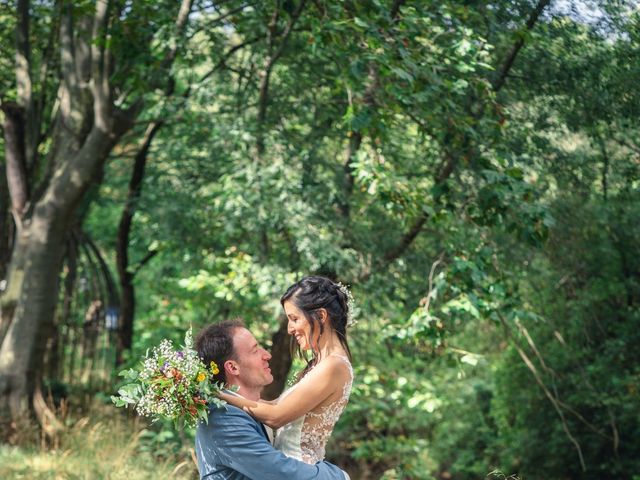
201	376
214	368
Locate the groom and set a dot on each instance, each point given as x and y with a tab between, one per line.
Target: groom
235	446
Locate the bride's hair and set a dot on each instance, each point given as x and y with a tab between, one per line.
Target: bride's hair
311	294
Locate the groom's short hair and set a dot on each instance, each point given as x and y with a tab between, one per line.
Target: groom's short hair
214	343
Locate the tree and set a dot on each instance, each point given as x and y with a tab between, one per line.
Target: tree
81	71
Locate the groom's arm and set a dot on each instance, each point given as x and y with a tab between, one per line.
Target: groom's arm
241	446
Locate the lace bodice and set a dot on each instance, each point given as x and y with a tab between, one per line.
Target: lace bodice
305	438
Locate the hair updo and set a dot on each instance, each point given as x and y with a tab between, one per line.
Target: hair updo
313	293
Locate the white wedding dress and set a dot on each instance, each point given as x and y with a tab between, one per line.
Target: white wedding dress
305	438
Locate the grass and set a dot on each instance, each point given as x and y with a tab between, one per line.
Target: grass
105	447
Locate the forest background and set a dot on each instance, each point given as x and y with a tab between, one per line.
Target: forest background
470	168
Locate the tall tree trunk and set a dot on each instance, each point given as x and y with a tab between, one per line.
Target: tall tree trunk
87	126
127	289
23	347
30	300
33	279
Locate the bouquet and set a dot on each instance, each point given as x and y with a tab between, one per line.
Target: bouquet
171	384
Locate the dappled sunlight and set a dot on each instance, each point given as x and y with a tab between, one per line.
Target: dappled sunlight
470	170
110	448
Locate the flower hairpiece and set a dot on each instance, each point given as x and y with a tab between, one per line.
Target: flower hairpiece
351	321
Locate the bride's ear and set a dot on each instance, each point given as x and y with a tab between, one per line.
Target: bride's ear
322	312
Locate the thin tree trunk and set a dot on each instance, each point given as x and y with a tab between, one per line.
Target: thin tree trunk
6	239
280	361
127	289
605	166
127	315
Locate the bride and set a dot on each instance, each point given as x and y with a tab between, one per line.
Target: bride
318	312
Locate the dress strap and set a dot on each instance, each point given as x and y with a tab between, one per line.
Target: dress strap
345	359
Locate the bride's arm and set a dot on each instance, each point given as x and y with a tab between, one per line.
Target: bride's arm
317	386
239	401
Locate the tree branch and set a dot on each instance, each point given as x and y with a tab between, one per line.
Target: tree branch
135	187
221	63
23	55
15	159
614	429
150	254
525	333
429	296
395	9
180	24
99	67
449	161
625	143
103	271
605	165
355	137
24	84
34	135
6	234
70	82
269	64
534	371
519	43
210	24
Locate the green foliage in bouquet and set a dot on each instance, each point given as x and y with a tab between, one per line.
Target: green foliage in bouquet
171	384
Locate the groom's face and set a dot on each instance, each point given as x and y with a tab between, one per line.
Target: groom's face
252	361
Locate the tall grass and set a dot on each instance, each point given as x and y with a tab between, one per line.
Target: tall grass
102	447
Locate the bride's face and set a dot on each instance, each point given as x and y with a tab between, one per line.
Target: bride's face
299	326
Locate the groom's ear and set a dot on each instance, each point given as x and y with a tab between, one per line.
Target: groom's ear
230	368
